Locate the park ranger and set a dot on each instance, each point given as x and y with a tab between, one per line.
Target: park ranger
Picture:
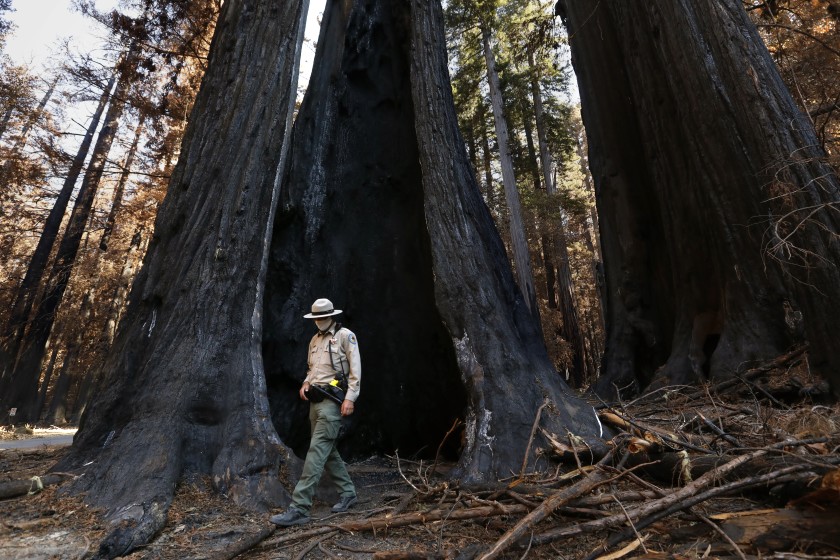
331	386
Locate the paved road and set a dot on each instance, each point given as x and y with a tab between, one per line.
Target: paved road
32	443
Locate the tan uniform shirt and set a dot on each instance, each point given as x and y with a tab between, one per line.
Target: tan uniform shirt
335	352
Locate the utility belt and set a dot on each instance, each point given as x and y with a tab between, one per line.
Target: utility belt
335	392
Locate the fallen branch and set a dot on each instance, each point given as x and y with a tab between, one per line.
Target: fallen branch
418	518
550	504
675	502
531	438
15	488
245	544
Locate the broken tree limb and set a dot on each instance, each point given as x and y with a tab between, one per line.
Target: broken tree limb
15	488
245	544
783	475
665	436
664	502
683	500
550	504
418	518
719	431
531	438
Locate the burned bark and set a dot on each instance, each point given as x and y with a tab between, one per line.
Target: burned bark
383	214
350	227
498	346
185	392
714	198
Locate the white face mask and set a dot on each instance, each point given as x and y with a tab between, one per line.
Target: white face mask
323	324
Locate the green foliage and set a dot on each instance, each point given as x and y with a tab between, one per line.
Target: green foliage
530	48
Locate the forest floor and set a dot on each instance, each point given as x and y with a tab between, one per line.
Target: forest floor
745	470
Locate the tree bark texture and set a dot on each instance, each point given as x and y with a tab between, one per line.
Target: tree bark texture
715	203
185	390
350	227
497	342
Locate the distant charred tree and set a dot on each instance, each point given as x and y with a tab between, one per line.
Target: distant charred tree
718	213
184	389
394	229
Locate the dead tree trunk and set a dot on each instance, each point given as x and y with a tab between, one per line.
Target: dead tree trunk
714	198
119	191
185	390
497	343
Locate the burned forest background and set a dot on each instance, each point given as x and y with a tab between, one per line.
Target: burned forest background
87	150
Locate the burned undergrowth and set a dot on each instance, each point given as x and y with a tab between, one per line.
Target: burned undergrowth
745	469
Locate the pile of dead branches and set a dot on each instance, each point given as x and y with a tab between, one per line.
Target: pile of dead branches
666	482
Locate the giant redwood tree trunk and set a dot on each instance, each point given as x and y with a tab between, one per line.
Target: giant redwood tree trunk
714	200
497	343
383	214
185	390
350	227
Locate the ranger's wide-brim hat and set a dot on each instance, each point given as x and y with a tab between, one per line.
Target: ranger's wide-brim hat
322	308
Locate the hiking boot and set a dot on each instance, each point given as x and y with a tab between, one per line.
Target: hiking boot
290	517
346	503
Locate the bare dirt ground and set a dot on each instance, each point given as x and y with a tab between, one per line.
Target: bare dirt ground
679	485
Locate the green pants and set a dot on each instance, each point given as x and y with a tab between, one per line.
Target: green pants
325	421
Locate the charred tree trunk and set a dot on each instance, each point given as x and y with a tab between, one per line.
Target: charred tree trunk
411	256
185	390
28	289
42	393
712	191
119	191
350	227
24	134
56	413
497	343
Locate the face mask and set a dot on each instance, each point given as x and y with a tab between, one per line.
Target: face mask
323	324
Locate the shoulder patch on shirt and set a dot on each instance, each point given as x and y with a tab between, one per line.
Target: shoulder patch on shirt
352	338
